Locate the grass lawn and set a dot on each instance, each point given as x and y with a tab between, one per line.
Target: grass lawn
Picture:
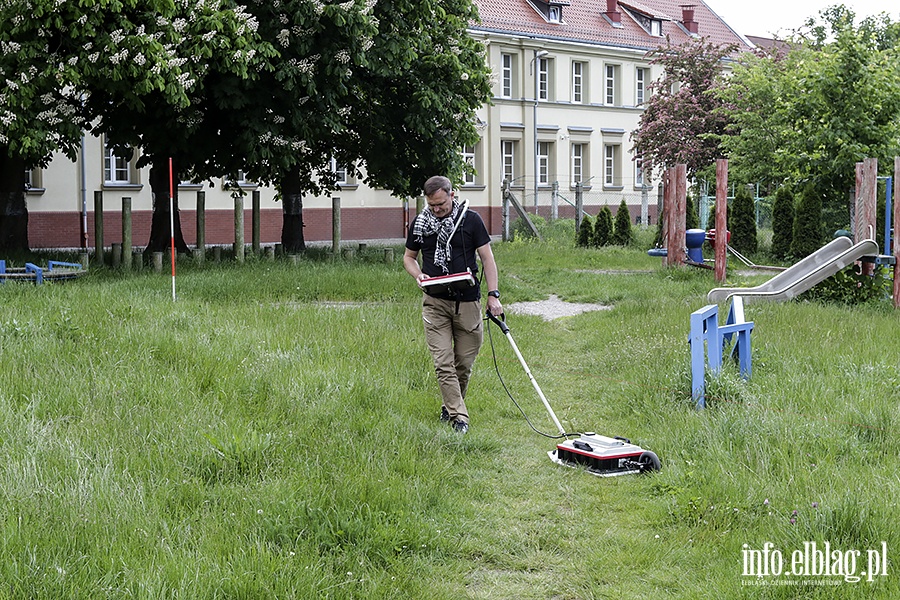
274	434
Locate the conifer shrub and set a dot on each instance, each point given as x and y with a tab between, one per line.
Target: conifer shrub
691	217
807	234
585	232
743	221
603	227
782	223
622	234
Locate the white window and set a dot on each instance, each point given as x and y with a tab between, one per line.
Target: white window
543	79
610	164
639	172
656	27
577	163
543	163
641	77
553	14
116	169
506	61
577	82
340	171
508	151
610	86
468	155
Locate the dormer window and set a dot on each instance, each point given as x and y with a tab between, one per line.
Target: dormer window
551	10
651	23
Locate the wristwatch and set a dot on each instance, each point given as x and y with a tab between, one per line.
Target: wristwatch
494	293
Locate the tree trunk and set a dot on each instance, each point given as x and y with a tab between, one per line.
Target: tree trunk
13	209
292	227
160	232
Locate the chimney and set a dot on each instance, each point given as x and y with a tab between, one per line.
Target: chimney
687	17
612	11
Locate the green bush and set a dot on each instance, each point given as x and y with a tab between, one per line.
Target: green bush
603	227
782	223
585	232
743	221
622	234
807	234
850	288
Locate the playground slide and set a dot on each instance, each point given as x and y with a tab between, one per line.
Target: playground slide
818	266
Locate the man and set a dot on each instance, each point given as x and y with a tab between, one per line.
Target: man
451	313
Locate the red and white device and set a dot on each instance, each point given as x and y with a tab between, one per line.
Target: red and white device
454	280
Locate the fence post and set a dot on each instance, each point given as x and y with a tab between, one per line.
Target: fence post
255	221
200	254
866	203
504	210
126	233
645	205
579	205
336	225
239	227
98	226
554	202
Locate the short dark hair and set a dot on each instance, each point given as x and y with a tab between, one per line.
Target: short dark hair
438	182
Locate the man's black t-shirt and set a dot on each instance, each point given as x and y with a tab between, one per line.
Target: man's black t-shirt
471	235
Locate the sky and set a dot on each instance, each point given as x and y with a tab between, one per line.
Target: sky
766	18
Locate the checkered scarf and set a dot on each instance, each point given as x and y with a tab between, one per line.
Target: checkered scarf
428	224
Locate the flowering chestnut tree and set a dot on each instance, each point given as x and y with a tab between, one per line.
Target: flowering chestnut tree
682	121
390	85
68	65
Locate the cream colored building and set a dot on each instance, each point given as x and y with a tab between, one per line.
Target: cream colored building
570	78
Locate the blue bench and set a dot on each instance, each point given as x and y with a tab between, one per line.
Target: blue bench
708	340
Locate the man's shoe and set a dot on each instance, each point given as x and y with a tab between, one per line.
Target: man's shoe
460	426
445	415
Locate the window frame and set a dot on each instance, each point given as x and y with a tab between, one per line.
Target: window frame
578	68
507	68
508	160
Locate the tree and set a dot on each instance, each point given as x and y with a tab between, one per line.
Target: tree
682	120
811	114
585	232
743	221
391	87
603	227
622	233
808	231
782	223
50	54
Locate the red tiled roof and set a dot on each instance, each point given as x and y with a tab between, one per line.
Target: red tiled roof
584	21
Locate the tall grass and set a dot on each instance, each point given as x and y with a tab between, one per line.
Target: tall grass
273	434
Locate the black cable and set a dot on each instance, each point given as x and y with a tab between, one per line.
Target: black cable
506	389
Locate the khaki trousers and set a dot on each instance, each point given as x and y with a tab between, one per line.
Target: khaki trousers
454	339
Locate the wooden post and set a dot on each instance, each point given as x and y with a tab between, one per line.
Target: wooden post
668	213
126	233
158	261
255	221
866	205
336	225
680	225
721	218
896	246
201	226
98	227
116	255
239	228
389	255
